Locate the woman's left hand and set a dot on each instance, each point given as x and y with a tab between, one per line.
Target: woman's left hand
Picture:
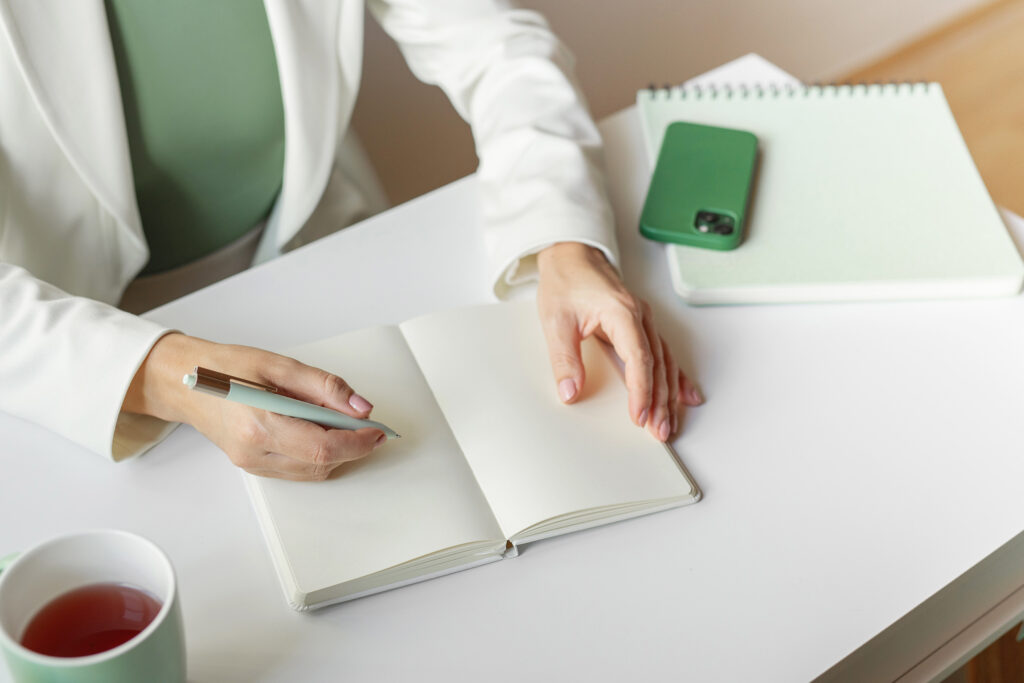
580	294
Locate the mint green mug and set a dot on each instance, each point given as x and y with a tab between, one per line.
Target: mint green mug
33	578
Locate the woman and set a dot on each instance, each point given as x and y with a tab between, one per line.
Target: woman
104	175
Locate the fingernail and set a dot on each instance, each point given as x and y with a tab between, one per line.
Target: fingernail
643	418
695	395
675	421
359	403
567	389
380	439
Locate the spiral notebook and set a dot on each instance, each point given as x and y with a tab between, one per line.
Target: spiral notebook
862	192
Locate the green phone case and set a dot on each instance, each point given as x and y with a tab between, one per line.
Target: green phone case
699	190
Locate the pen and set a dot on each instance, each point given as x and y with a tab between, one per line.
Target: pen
266	398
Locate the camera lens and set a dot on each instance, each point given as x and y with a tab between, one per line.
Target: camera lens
707	217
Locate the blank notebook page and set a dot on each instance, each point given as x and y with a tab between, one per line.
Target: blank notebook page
862	192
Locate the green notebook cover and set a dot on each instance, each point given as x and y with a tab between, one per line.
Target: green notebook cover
863	192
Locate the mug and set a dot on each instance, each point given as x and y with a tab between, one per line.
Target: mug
35	577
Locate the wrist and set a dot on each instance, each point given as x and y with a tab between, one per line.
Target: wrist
156	387
569	252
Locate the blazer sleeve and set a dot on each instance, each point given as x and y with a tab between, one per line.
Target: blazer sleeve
67	361
540	153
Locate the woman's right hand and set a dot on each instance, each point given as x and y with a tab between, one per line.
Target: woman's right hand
258	441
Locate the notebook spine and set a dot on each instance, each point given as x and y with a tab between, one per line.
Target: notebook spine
744	91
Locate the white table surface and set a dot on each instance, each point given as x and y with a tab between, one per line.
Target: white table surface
855	460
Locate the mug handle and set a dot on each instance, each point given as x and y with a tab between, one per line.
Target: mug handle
7	559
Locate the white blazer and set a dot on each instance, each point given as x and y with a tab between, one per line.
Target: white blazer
71	237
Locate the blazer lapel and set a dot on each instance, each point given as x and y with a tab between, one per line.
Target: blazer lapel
306	43
63	49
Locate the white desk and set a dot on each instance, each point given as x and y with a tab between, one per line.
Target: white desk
856	459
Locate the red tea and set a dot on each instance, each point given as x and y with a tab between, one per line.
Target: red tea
90	619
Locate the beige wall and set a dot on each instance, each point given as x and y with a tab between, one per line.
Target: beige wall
418	143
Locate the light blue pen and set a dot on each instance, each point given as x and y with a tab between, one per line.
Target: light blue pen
266	398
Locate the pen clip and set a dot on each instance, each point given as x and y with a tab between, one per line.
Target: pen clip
214	382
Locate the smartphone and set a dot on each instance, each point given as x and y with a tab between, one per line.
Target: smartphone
700	189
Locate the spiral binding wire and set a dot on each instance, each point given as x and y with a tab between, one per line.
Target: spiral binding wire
819	89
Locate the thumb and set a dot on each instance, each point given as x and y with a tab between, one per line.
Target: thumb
563	338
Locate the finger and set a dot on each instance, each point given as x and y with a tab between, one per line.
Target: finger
674	378
626	334
317	386
278	474
286	467
279	466
690	392
563	340
660	424
316	449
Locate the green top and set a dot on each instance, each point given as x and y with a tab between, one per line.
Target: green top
205	122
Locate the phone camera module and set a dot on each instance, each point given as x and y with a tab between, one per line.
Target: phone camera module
714	223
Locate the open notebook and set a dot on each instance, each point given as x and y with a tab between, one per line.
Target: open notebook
489	458
862	192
